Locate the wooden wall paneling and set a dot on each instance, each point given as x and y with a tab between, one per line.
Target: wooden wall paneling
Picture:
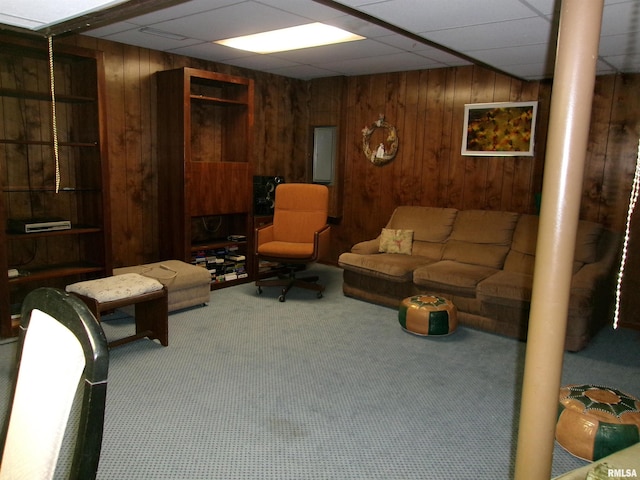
370	193
358	218
622	146
544	109
432	161
257	158
395	112
283	134
476	168
326	98
622	151
151	223
133	136
377	180
301	122
458	163
406	168
597	148
530	91
267	147
445	144
116	121
495	188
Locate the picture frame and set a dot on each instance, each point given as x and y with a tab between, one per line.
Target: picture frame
499	129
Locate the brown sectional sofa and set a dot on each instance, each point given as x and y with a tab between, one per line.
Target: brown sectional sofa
483	261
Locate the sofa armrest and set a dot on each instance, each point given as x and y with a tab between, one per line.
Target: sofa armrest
588	277
367	247
594	275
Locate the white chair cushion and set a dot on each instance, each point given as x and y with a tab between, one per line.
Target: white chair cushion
117	287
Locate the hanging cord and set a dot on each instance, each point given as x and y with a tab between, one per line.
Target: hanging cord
54	122
632	204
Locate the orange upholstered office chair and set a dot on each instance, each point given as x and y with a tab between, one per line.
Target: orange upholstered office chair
298	235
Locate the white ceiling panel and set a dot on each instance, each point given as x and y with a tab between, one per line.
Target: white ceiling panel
423	16
231	21
516	37
513	33
621	18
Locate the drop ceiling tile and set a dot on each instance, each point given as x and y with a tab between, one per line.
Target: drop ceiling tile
620	18
255	62
359	26
210	51
45	13
154	42
532	71
111	29
518	55
619	44
528	31
231	21
184	9
542	7
387	63
421	16
625	63
311	10
410	45
344	51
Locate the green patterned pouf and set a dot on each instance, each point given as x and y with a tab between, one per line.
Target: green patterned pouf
428	315
594	421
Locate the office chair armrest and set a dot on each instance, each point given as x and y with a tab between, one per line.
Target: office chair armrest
322	240
263	234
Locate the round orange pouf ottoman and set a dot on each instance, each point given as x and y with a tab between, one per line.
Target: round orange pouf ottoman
594	421
428	315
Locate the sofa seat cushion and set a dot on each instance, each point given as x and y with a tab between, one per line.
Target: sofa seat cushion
452	277
506	288
390	266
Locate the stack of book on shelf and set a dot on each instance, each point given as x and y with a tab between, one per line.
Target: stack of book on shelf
223	263
267	266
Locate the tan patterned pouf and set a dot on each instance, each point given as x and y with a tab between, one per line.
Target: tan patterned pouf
428	315
594	421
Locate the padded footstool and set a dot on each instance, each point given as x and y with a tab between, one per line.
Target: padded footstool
594	421
187	285
148	295
428	315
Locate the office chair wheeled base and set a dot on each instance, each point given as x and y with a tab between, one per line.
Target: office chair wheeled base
288	283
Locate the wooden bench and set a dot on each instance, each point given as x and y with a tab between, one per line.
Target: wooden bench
148	296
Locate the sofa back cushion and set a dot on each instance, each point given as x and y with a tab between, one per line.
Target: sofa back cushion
429	224
481	237
521	258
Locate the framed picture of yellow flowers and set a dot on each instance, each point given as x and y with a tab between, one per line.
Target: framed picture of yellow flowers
499	129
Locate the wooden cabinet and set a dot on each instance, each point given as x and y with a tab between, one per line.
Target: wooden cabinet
205	120
28	171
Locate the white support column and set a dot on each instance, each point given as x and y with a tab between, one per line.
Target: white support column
571	101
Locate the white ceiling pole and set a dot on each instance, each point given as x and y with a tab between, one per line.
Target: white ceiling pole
573	84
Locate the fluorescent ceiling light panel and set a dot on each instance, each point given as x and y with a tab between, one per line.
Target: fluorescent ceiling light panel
292	38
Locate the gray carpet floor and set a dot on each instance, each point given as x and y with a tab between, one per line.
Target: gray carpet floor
331	388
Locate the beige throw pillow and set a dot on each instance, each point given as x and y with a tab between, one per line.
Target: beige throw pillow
396	241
